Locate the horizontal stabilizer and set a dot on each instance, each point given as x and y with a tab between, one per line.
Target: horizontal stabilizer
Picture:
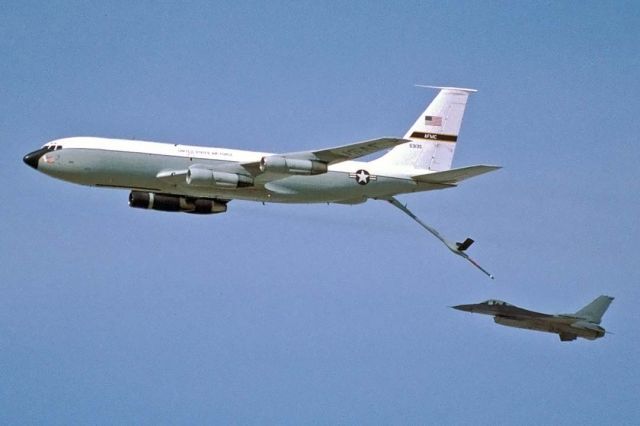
453	176
461	89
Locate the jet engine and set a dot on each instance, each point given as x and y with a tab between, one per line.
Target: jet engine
292	166
175	203
198	176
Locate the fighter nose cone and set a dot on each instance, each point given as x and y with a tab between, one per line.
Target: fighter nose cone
465	308
31	159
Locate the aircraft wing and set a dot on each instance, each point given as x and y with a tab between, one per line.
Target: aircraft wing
324	157
522	314
342	153
502	309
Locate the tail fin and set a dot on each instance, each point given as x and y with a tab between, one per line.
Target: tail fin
434	134
593	311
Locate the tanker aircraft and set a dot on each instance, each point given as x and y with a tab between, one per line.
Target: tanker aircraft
584	323
202	180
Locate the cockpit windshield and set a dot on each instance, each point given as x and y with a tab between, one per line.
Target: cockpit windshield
52	146
495	302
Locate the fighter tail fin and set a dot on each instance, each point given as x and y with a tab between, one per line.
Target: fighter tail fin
434	134
594	311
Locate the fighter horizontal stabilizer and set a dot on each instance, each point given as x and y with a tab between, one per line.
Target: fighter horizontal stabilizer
455	248
454	176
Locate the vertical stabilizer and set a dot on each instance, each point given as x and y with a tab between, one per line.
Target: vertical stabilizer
434	134
593	311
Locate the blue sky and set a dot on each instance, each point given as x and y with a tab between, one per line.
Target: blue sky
320	314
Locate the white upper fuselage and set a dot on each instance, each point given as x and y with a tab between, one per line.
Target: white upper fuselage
148	166
201	180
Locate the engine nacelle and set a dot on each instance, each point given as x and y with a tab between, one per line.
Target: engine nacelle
198	176
292	166
175	203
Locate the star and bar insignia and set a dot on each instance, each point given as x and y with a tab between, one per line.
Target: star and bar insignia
362	177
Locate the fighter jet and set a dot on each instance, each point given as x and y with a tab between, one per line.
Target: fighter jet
584	323
203	180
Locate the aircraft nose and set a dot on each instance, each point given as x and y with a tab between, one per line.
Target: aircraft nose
465	308
31	159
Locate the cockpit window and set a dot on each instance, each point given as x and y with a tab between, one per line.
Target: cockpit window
494	302
52	146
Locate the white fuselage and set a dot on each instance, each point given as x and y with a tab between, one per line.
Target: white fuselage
147	166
